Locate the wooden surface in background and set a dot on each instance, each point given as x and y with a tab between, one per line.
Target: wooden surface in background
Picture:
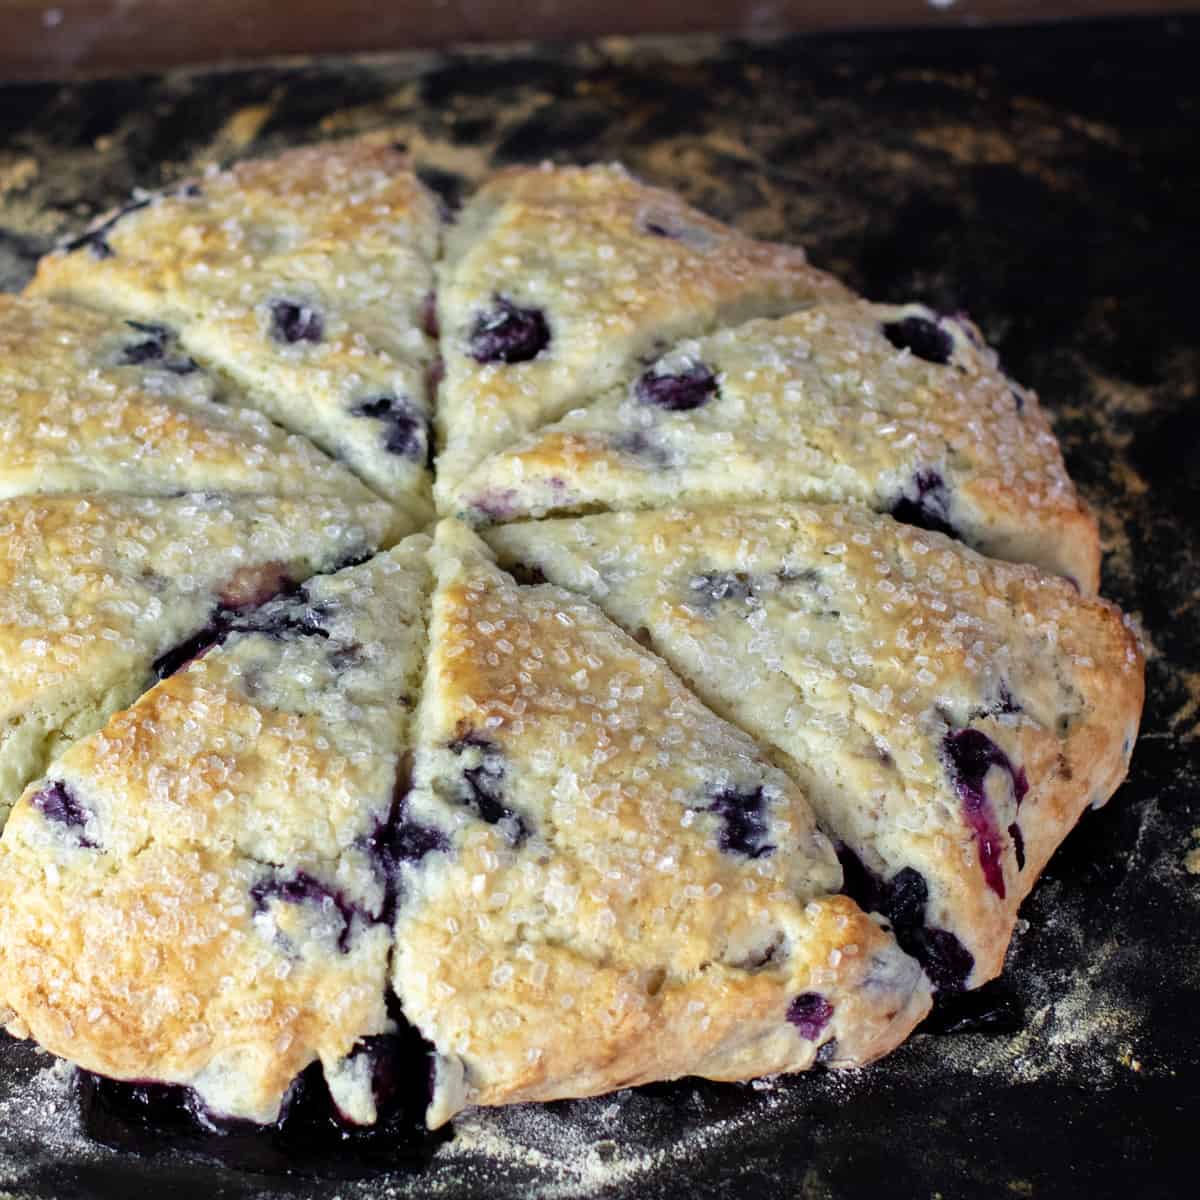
76	37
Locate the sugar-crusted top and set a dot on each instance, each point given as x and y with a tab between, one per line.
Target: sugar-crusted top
888	406
303	277
92	402
862	648
197	893
621	887
609	267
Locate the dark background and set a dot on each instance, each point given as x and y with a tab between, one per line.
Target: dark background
1047	181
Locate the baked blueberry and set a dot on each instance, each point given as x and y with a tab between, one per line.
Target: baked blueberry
926	504
678	392
153	348
57	802
508	333
485	786
743	822
810	1013
296	322
971	754
923	337
406	431
302	888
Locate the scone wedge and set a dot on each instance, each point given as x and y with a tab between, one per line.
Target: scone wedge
888	406
305	279
949	716
91	402
607	884
556	279
100	593
200	893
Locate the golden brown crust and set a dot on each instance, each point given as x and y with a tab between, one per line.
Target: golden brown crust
210	911
859	648
89	402
822	405
615	267
619	928
343	234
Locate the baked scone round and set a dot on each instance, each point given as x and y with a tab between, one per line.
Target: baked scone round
724	774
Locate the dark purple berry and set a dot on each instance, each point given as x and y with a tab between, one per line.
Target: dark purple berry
153	348
485	786
292	322
509	334
810	1013
925	338
57	802
680	392
903	899
743	822
302	888
926	504
429	315
406	431
96	238
1018	842
971	754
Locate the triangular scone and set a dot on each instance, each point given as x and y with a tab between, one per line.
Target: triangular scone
98	593
892	407
950	716
200	893
305	278
555	279
605	883
90	402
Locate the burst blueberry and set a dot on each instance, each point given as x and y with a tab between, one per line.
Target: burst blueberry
405	429
971	755
681	391
302	888
293	322
923	337
484	784
743	822
810	1012
58	803
926	504
509	334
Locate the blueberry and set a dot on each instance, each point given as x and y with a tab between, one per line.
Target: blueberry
429	315
1018	841
57	802
810	1013
484	786
926	504
680	392
714	586
653	227
744	824
292	322
971	754
96	238
925	338
153	348
302	888
509	334
903	899
406	430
